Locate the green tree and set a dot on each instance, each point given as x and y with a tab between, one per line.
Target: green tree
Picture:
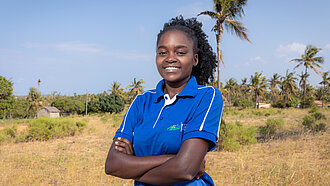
115	88
274	82
226	13
244	88
258	85
69	105
325	82
231	86
135	88
303	83
111	103
6	97
310	61
288	86
33	97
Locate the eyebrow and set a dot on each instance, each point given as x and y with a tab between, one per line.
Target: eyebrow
176	47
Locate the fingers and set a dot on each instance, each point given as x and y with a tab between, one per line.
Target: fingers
123	145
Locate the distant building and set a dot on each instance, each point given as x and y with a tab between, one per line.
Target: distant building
265	105
51	112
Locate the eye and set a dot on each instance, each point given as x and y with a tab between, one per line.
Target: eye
162	53
181	53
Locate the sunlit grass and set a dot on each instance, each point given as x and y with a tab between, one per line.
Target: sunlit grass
79	160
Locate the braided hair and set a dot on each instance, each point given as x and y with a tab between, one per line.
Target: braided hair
207	61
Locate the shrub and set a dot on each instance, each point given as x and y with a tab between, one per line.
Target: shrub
310	122
257	112
46	128
243	103
314	109
234	136
271	128
8	133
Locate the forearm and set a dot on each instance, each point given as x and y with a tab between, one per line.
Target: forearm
181	168
128	166
170	172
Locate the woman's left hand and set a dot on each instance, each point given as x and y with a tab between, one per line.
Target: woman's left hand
124	145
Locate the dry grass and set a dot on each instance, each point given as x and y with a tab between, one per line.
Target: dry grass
80	160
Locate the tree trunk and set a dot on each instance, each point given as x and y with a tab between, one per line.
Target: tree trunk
219	56
284	101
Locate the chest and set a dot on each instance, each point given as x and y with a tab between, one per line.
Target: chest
162	127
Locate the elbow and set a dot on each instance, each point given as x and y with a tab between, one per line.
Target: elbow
109	169
186	173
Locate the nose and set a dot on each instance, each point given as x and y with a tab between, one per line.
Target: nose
171	58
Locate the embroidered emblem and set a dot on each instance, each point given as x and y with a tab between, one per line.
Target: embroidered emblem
174	127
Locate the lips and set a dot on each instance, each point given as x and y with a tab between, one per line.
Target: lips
171	68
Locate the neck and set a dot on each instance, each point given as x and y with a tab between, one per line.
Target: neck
173	89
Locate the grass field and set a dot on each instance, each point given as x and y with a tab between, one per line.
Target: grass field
300	159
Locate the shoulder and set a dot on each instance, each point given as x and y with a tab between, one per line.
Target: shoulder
209	91
148	94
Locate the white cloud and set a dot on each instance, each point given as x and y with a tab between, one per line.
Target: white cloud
257	59
77	46
327	46
34	45
294	47
130	55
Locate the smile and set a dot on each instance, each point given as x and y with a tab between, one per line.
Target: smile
171	68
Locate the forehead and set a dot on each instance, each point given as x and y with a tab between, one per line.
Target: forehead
176	37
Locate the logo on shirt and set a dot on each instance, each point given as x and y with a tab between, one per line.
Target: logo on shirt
174	127
181	127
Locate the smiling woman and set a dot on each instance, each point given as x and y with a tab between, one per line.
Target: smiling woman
173	126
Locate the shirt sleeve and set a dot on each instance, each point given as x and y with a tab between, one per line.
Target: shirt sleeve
131	118
205	122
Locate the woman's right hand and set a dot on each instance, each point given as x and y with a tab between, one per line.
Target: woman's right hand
124	145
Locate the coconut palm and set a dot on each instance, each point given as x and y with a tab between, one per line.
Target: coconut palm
226	13
325	82
244	87
258	85
115	88
231	86
33	97
274	82
303	83
288	86
310	61
135	88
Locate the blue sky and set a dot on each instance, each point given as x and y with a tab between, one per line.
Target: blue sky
78	46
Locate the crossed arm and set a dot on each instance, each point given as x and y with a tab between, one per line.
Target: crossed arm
163	169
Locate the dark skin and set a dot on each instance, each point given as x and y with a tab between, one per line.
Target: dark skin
175	60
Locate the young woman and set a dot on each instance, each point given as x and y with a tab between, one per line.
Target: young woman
173	126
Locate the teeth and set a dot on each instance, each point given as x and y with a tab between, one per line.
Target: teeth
171	68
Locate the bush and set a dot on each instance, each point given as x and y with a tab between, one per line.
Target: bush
257	112
234	136
243	103
112	103
314	109
8	133
46	128
310	122
271	128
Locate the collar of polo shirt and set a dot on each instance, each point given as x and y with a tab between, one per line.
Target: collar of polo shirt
190	90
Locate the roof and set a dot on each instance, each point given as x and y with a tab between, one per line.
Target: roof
51	109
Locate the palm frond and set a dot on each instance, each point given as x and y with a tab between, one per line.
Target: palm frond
209	13
237	28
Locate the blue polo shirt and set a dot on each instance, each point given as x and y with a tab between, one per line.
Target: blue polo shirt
157	125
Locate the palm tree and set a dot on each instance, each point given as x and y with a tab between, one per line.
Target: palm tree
258	85
309	60
244	87
33	98
325	82
288	86
226	13
115	88
302	84
135	88
231	86
274	82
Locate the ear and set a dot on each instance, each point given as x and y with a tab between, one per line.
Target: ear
195	60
